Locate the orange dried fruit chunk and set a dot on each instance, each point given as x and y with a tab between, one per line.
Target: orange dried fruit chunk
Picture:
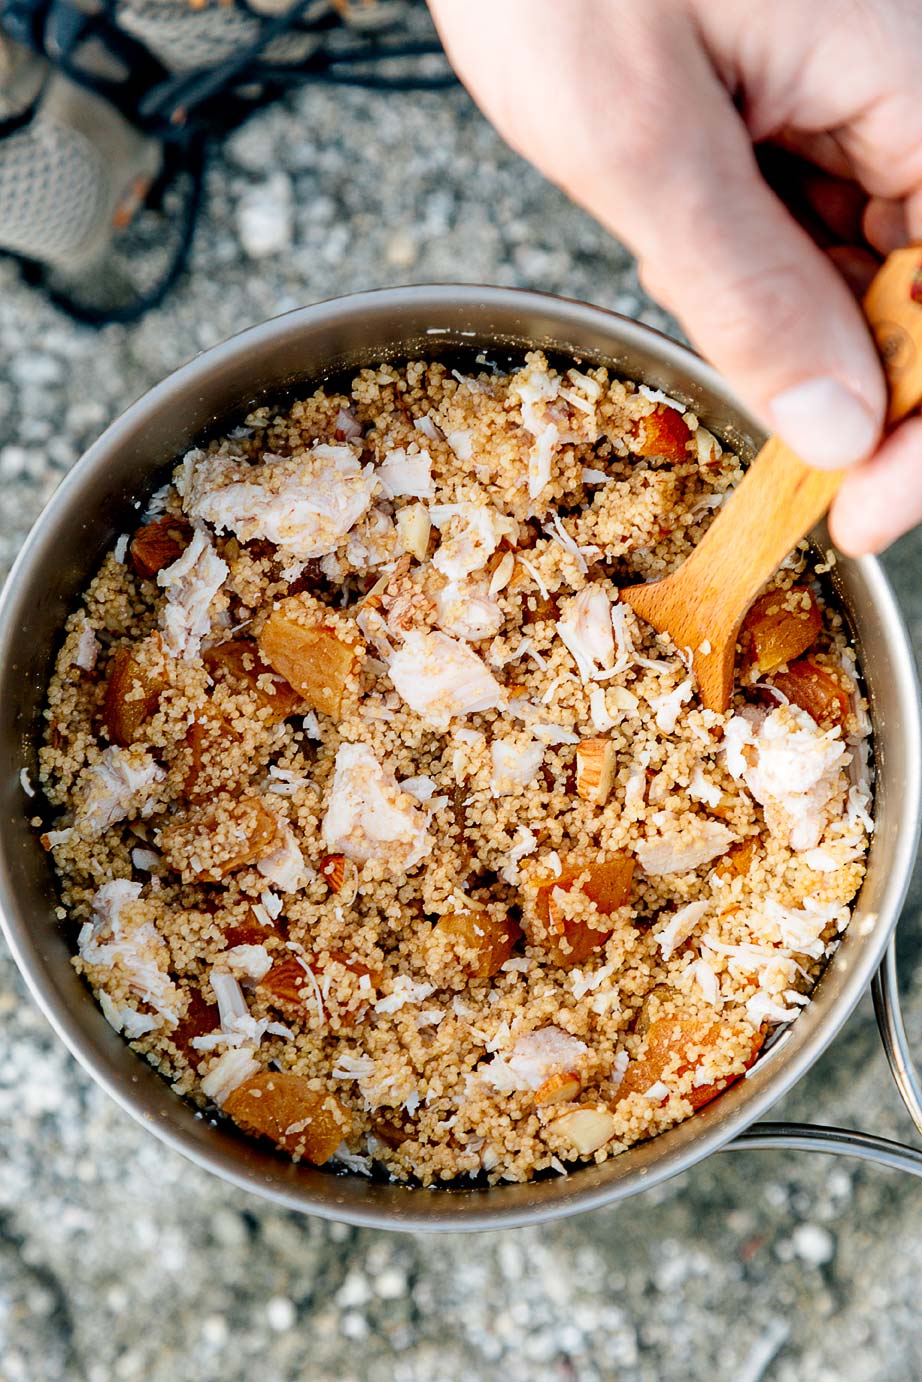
239	660
780	626
664	432
483	941
158	544
737	861
692	1039
287	986
815	690
199	1018
132	697
216	839
208	740
318	659
305	1122
608	886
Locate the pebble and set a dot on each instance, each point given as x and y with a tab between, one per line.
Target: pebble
813	1244
281	1314
265	218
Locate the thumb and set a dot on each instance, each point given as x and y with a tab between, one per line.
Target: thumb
715	244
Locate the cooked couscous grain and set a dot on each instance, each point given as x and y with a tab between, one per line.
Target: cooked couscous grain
383	826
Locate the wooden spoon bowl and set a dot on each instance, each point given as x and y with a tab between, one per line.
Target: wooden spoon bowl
702	605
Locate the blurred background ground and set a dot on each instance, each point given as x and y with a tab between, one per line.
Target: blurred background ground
120	1261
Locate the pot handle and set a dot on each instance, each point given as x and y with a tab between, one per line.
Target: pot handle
808	1137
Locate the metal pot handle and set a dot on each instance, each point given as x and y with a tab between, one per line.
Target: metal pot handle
808	1137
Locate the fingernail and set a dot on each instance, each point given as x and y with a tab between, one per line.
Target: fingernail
825	423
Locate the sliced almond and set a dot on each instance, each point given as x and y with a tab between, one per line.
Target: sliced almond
342	876
503	573
587	1128
595	770
413	529
561	1088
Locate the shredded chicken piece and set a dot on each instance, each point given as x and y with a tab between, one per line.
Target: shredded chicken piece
120	951
514	765
466	610
191	584
533	1059
406	474
305	504
439	677
794	770
470	534
586	630
678	850
369	816
113	787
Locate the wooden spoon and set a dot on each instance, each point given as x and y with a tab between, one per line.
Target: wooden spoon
702	604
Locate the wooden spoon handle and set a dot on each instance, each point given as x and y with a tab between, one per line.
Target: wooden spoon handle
778	500
893	307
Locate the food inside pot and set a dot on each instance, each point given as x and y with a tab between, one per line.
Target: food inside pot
384	827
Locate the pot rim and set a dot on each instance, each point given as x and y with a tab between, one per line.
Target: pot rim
496	1206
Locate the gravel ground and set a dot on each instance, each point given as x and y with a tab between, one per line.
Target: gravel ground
120	1261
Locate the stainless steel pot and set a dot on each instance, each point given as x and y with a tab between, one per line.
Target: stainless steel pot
100	498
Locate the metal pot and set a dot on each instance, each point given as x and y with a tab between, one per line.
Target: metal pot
100	498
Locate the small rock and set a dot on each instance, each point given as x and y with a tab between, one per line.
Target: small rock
281	1314
391	1284
30	367
401	250
813	1244
265	221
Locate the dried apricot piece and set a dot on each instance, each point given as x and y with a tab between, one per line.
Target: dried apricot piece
238	659
200	1017
664	432
815	690
608	885
691	1039
317	657
780	626
226	834
303	1121
208	740
737	861
287	987
132	697
159	544
482	941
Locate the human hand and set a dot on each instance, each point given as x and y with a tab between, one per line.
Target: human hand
758	159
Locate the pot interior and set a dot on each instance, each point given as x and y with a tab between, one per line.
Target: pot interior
102	497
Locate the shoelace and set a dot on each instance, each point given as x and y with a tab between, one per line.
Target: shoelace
190	110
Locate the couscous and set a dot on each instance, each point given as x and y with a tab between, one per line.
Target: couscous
386	830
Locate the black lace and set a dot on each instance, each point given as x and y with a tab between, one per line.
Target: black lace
190	111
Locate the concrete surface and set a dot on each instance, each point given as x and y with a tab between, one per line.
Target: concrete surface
120	1261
